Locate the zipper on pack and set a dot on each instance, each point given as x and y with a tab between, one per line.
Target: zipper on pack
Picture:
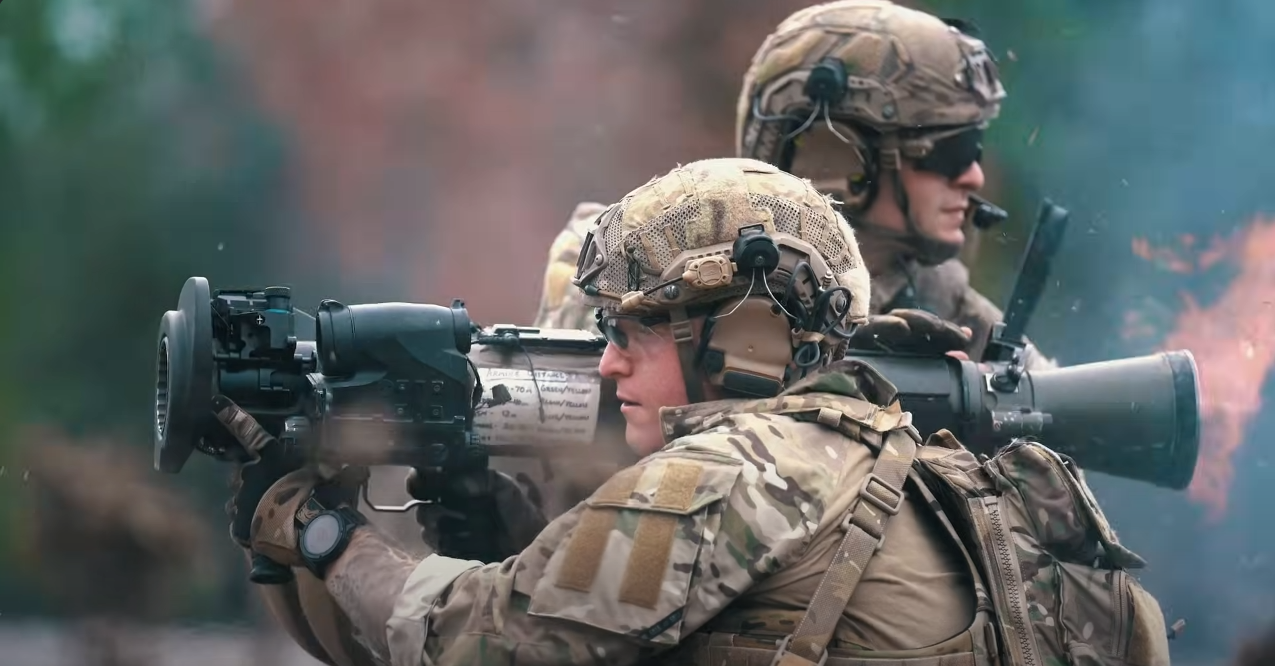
1007	583
1124	602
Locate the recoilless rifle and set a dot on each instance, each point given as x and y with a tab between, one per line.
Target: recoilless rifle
422	386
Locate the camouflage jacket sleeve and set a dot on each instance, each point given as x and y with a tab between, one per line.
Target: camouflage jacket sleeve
560	303
656	552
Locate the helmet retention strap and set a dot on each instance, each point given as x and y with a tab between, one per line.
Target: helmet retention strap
684	336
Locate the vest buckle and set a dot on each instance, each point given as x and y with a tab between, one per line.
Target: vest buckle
785	658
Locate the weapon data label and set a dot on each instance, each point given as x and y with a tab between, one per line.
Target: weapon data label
555	408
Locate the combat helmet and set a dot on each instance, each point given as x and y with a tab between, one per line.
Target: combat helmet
761	252
892	83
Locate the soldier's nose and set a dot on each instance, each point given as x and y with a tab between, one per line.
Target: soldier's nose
972	179
614	363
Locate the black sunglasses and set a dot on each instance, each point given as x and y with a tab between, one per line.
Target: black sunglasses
953	155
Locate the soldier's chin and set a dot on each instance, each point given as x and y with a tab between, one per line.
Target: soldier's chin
952	229
642	439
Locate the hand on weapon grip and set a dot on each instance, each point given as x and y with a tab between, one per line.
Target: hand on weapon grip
251	481
909	331
485	515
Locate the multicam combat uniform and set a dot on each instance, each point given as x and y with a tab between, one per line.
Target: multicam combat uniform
762	518
743	508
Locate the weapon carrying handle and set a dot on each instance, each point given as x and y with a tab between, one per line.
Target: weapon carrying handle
1007	338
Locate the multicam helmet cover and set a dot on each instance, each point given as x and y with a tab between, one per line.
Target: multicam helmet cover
668	243
905	72
760	252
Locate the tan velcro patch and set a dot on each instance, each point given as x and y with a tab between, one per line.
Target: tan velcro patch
677	487
652	544
589	538
653	538
829	417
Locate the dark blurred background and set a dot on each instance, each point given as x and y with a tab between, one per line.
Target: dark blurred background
396	150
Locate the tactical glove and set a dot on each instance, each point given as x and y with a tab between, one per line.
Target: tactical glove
486	516
908	331
275	530
250	480
267	464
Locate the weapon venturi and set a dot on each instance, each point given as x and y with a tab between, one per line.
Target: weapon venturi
1136	418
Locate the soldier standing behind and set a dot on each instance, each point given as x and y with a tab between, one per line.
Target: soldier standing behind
884	107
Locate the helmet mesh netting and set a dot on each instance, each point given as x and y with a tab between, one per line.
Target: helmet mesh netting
656	244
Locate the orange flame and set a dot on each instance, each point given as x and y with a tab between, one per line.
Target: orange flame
1170	260
1233	340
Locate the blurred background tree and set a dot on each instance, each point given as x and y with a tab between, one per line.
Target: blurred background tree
128	159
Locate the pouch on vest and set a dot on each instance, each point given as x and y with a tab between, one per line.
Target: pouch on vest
1059	577
626	567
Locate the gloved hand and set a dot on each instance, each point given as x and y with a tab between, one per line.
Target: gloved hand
249	481
485	516
275	528
908	331
263	475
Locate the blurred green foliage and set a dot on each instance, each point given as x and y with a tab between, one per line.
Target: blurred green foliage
127	162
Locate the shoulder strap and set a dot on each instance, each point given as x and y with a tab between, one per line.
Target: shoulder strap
880	497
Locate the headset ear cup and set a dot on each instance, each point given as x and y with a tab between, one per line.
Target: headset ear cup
860	192
861	183
750	349
860	166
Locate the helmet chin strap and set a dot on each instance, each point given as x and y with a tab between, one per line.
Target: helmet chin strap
913	242
684	336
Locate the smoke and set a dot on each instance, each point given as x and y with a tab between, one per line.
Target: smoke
1159	124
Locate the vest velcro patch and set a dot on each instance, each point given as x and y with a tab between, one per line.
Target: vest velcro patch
653	539
628	560
589	538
